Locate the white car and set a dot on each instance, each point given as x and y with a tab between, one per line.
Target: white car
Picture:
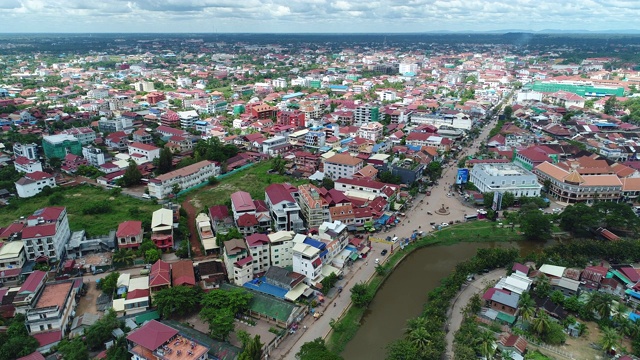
444	224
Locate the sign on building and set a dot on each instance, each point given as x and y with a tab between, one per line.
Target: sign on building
497	201
462	177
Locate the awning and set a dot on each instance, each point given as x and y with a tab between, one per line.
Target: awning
296	292
309	292
365	250
328	269
354	256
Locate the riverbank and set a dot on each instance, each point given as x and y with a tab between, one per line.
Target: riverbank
345	328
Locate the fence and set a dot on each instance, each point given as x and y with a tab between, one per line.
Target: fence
556	351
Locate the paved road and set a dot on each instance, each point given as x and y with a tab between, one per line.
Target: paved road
461	301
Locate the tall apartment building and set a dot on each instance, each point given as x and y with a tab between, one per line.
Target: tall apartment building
116	124
93	155
238	261
281	245
258	245
58	146
143	86
46	233
285	212
170	118
365	114
84	134
342	165
30	151
294	118
186	177
314	208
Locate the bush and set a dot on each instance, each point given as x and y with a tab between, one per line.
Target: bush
97	208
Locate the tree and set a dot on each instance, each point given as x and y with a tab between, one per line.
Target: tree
420	339
179	300
601	304
434	170
578	219
221	322
152	255
123	256
73	349
327	183
251	349
508	199
278	164
534	224
109	283
526	306
610	339
132	175
543	286
508	112
388	177
101	331
145	246
486	342
557	297
237	300
316	350
402	350
16	342
165	161
328	282
175	189
541	324
360	295
119	350
610	105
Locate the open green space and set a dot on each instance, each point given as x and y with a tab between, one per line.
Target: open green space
252	180
473	231
78	200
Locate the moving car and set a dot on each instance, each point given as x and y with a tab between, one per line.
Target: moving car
383	252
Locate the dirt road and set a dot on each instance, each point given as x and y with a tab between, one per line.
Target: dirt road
194	239
461	301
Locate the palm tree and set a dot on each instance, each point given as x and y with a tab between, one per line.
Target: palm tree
527	306
621	312
582	329
542	323
123	256
602	305
610	339
486	341
506	354
414	324
420	338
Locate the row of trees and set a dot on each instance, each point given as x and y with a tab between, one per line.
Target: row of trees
580	219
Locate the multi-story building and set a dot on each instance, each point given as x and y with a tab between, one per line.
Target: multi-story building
371	131
238	261
58	146
275	145
143	153
162	228
312	110
46	233
157	341
294	118
342	165
26	165
116	124
285	212
53	309
186	177
365	113
306	261
281	245
30	151
241	204
262	111
336	236
170	119
142	137
314	208
129	234
188	119
503	178
143	86
315	139
258	245
84	134
12	255
32	184
407	68
93	155
364	188
98	94
570	186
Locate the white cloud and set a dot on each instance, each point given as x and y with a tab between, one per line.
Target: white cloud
313	15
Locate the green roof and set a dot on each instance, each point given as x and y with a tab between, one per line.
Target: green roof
354	256
621	277
509	319
267	305
152	315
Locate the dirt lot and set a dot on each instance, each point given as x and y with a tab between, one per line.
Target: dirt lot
261	328
582	348
87	303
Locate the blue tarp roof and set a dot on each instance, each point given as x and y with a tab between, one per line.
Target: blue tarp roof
262	286
383	219
315	243
633	316
338	87
414	147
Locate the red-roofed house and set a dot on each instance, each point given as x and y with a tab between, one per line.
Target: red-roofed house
159	276
48	339
155	340
143	153
33	183
26	165
150	336
29	291
46	233
221	221
512	342
129	234
285	212
242	203
33	356
259	248
182	273
237	260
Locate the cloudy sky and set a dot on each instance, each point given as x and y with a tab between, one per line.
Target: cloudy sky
296	16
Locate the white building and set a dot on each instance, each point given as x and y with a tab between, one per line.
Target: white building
26	165
186	177
504	178
285	212
364	114
30	151
306	260
114	125
457	121
184	82
371	131
238	261
144	86
269	146
93	155
84	134
405	68
188	119
53	309
279	83
281	248
33	183
98	94
143	153
46	233
342	165
12	255
258	245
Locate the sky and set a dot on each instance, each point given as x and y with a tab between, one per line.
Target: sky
313	16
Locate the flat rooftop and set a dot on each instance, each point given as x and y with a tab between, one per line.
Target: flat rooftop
54	295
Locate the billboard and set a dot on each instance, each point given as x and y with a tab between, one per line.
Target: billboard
462	177
497	201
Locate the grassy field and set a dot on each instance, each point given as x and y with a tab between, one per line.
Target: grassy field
252	180
76	200
473	232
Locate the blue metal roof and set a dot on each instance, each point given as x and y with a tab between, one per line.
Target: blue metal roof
289	96
315	243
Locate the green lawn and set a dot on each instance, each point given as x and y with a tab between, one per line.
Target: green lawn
474	231
252	180
76	199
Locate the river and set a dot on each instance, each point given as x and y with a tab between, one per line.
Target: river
404	293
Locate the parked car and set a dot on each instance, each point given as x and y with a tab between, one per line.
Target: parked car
383	252
444	224
98	271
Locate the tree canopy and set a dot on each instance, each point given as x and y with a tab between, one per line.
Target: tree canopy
178	300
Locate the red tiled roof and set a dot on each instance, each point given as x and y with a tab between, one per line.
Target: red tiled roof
129	228
242	201
49	337
247	220
244	261
14	228
159	274
137	293
182	273
152	335
257	240
278	193
141	146
39	231
218	212
33	356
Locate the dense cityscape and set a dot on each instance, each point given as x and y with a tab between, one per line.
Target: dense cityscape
320	196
